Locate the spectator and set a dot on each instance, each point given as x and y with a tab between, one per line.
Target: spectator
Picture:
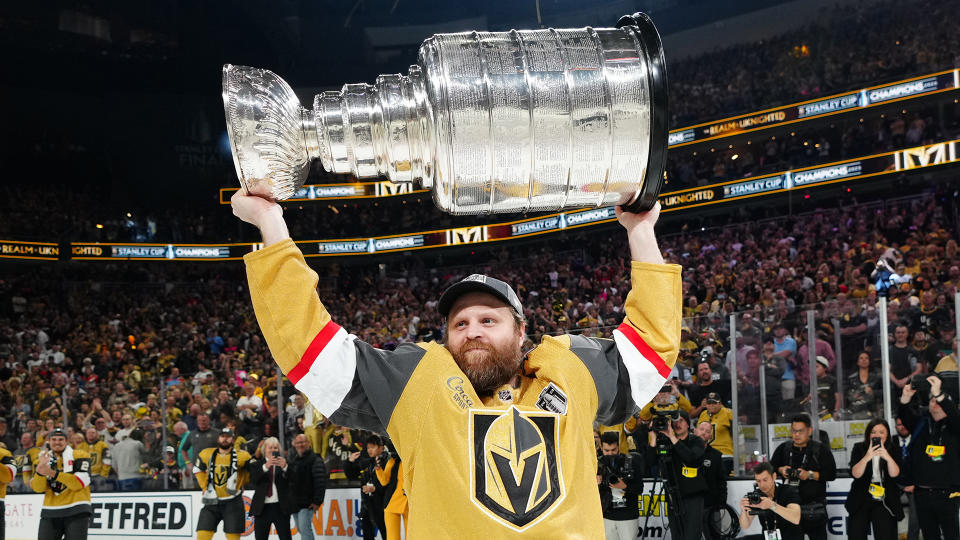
308	484
271	505
198	440
721	420
129	456
864	389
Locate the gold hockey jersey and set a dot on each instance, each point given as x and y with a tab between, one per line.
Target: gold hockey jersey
519	463
8	471
68	493
99	457
221	471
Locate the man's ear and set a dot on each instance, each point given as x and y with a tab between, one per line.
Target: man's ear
523	334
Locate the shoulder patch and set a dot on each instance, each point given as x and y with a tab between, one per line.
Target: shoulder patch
552	399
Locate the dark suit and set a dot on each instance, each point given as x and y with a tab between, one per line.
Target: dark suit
276	514
864	509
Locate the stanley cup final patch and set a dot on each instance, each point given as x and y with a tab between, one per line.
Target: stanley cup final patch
516	477
552	399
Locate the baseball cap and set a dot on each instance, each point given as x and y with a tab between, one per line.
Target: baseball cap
479	283
57	432
227	431
822	360
684	414
713	397
169	450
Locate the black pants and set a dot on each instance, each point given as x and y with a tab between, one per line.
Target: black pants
690	519
814	529
64	528
872	513
372	521
938	514
271	515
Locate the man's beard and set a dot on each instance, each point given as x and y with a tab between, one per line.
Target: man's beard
487	374
226	446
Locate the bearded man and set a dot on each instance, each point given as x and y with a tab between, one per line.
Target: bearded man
494	443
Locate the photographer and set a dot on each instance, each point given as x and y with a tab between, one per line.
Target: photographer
932	417
777	506
362	468
681	455
874	498
808	465
715	473
621	482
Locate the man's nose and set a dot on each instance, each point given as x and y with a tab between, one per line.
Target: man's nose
475	330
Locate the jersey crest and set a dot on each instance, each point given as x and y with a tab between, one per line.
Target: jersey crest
516	476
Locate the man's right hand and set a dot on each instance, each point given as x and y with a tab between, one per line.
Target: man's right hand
907	395
353	457
261	211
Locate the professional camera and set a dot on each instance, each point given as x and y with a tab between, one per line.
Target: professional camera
793	476
754	497
662	419
613	468
383	458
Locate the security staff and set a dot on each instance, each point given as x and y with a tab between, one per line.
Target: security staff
935	460
807	464
714	471
682	463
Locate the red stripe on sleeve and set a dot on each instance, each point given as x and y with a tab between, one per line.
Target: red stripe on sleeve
315	348
645	350
82	485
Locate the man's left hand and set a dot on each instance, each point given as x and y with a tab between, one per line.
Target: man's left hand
805	474
765	503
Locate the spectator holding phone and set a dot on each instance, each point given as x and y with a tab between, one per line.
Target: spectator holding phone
874	498
270	504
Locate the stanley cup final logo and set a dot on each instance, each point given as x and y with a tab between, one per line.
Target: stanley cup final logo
515	472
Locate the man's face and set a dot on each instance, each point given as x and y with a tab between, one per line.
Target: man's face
127	420
800	433
900	334
704	430
26	440
766	482
714	407
225	441
203	422
484	340
610	449
374	450
704	373
680	427
301	444
92	435
902	429
58	443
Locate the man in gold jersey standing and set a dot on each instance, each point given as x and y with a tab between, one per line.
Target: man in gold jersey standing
495	444
8	471
62	474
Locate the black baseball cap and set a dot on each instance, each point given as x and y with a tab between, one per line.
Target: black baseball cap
479	283
227	431
713	397
57	432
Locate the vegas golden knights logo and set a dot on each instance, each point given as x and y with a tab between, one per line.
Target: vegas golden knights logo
467	235
515	471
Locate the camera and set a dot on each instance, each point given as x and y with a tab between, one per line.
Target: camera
383	458
662	419
793	476
613	468
754	497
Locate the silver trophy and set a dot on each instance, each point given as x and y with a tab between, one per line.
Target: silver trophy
529	120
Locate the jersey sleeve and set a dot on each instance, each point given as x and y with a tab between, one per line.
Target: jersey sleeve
78	475
631	368
8	471
349	381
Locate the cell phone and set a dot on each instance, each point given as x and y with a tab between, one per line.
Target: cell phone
875	441
276	454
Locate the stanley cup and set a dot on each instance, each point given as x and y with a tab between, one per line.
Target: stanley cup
529	120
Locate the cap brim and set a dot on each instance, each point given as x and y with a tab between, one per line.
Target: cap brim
449	296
